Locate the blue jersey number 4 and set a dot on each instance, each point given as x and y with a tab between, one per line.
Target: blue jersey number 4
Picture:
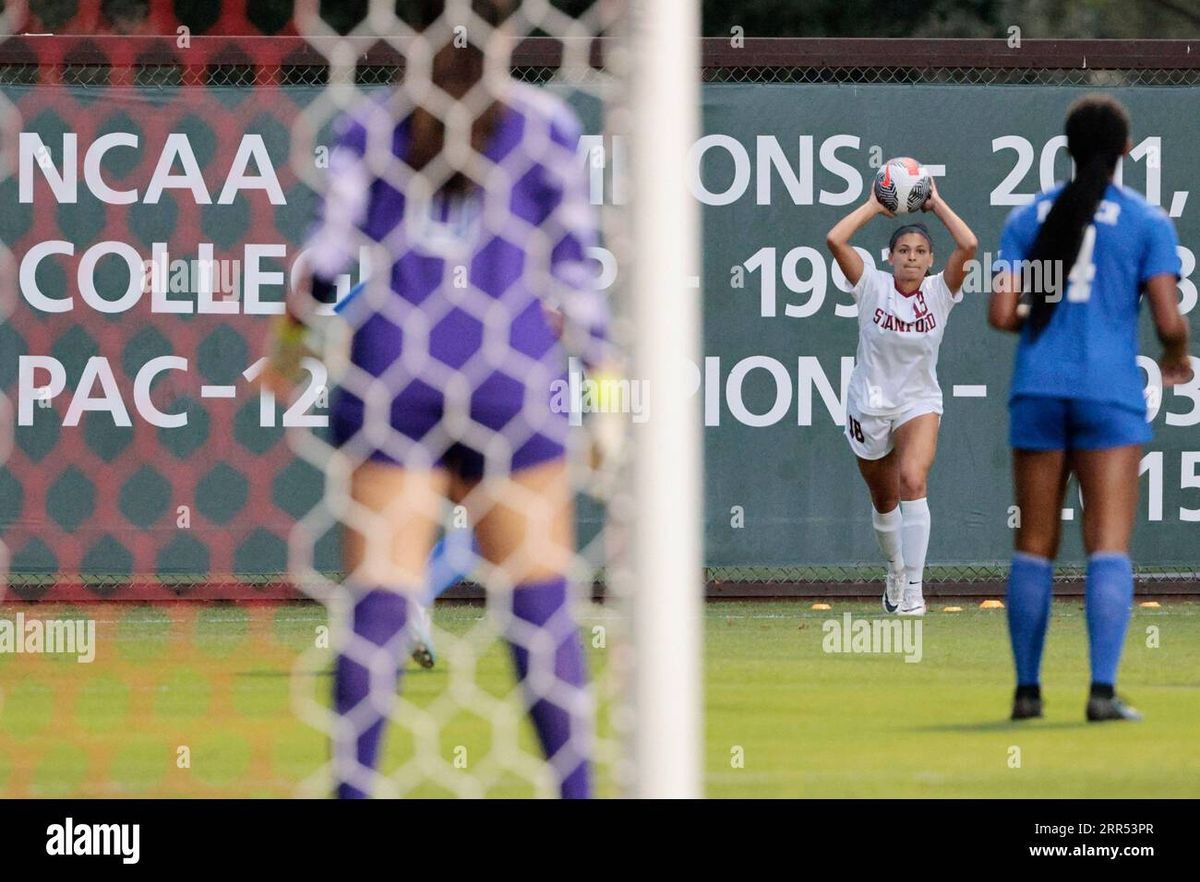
1083	273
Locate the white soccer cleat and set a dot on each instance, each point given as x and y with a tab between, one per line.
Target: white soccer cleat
913	602
893	592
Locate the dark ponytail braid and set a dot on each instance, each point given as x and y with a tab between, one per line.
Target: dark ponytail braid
1097	132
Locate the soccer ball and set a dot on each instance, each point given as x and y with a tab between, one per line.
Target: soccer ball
902	185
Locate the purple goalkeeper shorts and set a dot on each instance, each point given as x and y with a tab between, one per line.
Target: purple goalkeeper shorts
457	404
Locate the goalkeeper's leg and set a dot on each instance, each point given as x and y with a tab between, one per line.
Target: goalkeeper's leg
528	535
385	568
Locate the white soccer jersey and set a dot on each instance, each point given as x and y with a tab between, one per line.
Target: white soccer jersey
898	340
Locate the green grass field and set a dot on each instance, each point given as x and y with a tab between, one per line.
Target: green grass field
189	700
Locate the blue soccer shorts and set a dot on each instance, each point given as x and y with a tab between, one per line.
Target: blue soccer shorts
1044	423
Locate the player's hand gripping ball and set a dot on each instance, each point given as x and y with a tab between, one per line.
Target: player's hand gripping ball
902	185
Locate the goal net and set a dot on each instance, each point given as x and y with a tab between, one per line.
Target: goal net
487	361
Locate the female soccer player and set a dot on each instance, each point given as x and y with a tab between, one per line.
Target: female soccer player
453	365
1076	400
894	403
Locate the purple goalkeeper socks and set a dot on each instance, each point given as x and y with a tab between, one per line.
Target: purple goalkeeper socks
544	639
548	656
363	695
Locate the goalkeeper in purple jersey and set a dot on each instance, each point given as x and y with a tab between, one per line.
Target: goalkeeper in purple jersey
471	230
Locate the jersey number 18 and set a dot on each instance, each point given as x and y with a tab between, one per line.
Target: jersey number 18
854	429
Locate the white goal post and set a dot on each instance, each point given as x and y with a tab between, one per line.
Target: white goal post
667	562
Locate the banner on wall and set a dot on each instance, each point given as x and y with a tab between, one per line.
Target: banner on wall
153	235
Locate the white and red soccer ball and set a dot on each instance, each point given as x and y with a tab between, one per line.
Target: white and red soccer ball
902	185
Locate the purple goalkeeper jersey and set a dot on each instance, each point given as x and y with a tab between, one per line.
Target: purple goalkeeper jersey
465	359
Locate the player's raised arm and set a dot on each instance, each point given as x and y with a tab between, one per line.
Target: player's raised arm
965	242
838	239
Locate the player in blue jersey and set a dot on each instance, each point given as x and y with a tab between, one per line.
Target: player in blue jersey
1076	263
473	229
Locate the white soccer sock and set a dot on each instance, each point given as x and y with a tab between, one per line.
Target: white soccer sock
887	531
915	535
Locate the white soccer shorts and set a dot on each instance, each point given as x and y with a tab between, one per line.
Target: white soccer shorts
873	437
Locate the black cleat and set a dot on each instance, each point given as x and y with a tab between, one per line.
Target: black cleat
423	656
1026	707
1113	708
